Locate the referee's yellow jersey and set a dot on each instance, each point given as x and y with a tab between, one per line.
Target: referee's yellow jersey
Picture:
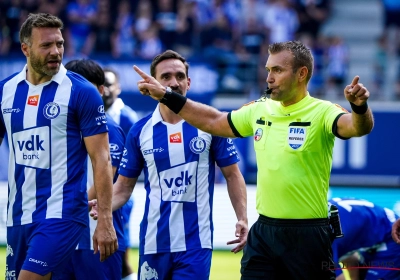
293	147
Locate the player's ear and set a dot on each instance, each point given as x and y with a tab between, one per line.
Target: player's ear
189	81
25	49
101	89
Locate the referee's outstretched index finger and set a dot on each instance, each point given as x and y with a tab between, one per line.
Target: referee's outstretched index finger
140	72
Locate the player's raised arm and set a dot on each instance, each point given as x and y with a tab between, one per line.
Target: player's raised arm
199	115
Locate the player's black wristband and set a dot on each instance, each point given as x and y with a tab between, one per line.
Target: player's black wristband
359	110
174	101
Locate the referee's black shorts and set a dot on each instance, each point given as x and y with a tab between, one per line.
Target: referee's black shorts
288	249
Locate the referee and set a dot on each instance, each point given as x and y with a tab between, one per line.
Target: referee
293	135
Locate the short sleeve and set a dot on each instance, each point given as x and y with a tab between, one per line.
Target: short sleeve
224	151
132	161
241	120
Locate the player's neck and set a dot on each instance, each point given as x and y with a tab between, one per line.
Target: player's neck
35	78
169	116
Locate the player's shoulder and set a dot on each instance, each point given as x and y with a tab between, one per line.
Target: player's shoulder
137	128
4	81
78	81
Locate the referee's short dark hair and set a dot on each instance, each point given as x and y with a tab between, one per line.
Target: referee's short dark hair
302	55
88	69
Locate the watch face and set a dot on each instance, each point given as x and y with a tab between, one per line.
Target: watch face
168	89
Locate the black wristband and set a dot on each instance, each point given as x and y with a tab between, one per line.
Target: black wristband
359	110
174	101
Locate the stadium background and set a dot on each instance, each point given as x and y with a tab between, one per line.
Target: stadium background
224	41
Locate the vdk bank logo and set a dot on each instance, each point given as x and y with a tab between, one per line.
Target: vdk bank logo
179	183
32	147
296	137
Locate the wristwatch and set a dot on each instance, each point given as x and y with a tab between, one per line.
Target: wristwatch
168	91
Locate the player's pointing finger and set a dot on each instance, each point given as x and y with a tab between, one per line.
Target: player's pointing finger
140	72
355	80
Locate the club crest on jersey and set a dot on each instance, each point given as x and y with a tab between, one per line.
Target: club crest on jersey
33	100
258	134
296	136
229	140
197	145
51	110
175	138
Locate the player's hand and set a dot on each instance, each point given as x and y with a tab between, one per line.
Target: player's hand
396	231
149	85
241	233
356	93
93	209
104	237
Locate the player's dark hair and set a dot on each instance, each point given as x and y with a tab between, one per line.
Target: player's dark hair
37	21
88	69
301	55
168	54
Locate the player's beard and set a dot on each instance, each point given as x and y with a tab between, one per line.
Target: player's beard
40	65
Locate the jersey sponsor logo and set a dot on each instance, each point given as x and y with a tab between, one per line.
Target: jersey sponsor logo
152	151
258	134
124	160
42	263
197	145
32	147
11	110
148	273
101	109
33	100
175	138
179	183
296	136
113	147
114	150
51	110
229	140
101	120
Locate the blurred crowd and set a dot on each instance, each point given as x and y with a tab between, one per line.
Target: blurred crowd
233	35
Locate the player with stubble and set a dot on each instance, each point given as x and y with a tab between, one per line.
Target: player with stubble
53	121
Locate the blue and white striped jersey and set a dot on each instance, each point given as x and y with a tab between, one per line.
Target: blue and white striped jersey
123	115
364	225
116	139
45	125
179	169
